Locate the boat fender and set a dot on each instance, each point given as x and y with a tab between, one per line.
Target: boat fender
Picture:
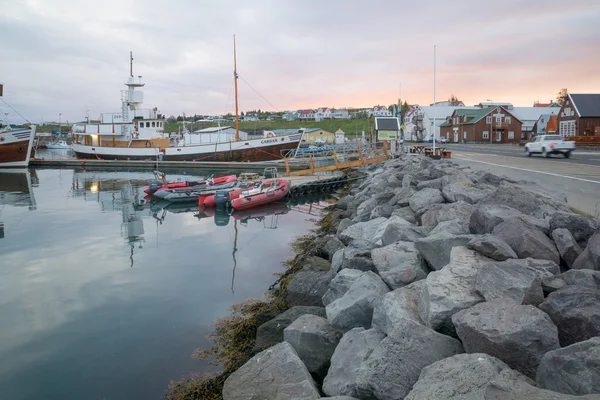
136	134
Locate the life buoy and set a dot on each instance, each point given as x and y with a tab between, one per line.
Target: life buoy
136	134
270	134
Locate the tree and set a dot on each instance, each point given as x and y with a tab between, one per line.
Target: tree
453	100
404	109
561	96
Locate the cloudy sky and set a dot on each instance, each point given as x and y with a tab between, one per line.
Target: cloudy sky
68	56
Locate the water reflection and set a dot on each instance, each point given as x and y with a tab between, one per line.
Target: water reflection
16	191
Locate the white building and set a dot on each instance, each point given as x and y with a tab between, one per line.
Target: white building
341	114
250	117
323	113
290	115
306	115
380	111
340	137
216	134
420	126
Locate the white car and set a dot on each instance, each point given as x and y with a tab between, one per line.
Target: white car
549	144
443	140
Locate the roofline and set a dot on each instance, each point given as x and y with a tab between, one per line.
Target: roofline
574	105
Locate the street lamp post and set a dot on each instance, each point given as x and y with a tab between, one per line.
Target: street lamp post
59	124
491	118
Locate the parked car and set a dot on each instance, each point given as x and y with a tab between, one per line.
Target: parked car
549	144
443	139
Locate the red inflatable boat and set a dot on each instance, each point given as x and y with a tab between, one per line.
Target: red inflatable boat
157	185
267	192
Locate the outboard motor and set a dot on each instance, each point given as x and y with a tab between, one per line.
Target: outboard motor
221	198
154	185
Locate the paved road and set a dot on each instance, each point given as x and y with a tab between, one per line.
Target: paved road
577	157
579	182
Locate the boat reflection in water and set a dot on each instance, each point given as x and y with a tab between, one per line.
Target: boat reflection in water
16	189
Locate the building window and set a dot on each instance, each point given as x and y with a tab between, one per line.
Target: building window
511	135
465	135
508	120
488	119
498	120
486	134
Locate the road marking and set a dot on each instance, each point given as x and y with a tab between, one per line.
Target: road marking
531	170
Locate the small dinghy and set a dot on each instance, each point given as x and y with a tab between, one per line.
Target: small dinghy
192	193
159	184
223	197
268	192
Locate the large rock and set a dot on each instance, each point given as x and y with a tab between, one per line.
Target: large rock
401	199
312	263
339	398
450	290
504	388
394	366
399	264
582	228
576	277
314	340
370	231
352	258
492	246
509	281
381	211
576	312
453	227
462	192
519	335
354	348
343	225
355	307
459	211
273	374
397	306
402	233
568	248
366	207
307	288
526	240
425	199
331	245
573	369
485	217
590	257
340	284
431	184
436	248
406	213
271	332
460	377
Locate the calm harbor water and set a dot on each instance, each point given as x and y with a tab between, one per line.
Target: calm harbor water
104	295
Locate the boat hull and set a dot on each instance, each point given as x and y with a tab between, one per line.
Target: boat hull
263	149
15	147
266	197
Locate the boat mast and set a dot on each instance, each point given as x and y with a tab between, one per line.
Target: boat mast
235	79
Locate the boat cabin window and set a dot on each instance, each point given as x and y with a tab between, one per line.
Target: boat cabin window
153	124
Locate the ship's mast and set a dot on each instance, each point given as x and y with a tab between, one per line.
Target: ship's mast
235	79
131	64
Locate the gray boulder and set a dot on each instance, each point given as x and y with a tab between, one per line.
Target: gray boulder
425	199
353	349
492	246
402	233
340	284
352	258
401	199
430	184
590	257
509	281
343	202
370	231
459	211
273	374
406	213
462	192
582	228
576	312
519	335
339	398
399	264
355	307
450	290
503	388
271	332
381	211
453	227
343	225
482	177
526	240
485	217
394	182
312	263
394	366
460	377
307	288
397	306
576	277
406	181
314	340
436	248
568	248
331	245
572	369
366	207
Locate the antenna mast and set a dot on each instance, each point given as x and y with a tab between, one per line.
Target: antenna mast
235	79
131	64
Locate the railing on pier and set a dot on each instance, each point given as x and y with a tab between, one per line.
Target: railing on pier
338	157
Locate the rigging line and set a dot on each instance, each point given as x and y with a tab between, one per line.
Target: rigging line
228	98
276	109
15	110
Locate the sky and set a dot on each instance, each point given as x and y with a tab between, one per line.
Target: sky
71	57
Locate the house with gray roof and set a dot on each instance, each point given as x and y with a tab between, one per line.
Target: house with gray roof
482	125
580	115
